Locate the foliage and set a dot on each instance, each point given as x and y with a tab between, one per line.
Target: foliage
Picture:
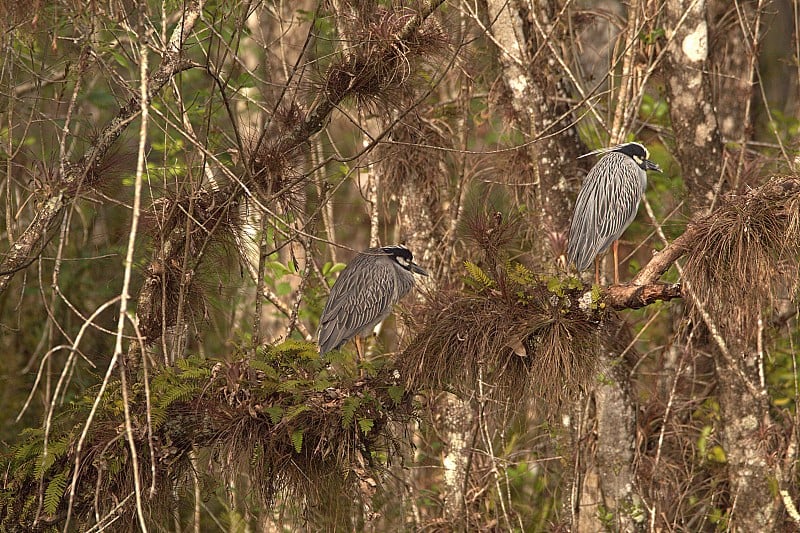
278	412
283	137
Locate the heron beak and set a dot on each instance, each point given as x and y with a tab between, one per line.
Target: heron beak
649	165
418	269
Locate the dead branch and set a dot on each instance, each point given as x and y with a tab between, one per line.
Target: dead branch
75	174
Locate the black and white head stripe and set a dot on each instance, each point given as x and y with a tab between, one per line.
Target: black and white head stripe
400	253
404	258
636	151
629	149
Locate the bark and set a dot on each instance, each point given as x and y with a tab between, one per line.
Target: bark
530	69
607	496
416	215
731	33
744	406
698	144
456	424
746	422
531	74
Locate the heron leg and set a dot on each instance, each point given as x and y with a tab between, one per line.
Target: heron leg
615	248
597	270
359	353
359	349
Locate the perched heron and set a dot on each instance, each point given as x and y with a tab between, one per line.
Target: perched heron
607	204
364	295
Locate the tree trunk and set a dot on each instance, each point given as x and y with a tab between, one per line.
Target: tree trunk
691	106
537	91
746	423
744	406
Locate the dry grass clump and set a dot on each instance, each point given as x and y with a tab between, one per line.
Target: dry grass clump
376	69
276	163
413	157
746	254
524	336
184	229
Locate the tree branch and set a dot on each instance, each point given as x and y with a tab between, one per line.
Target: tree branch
638	296
75	174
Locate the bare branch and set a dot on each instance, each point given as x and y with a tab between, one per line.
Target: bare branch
75	174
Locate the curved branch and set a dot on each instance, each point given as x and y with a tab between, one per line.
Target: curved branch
638	296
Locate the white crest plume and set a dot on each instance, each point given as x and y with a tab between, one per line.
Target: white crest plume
613	148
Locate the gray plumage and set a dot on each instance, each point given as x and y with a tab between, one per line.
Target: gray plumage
365	293
608	201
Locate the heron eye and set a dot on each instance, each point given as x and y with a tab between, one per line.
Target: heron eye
637	159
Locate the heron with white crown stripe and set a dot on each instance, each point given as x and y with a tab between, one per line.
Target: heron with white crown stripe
607	204
364	295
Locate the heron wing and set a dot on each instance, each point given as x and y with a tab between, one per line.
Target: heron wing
361	297
620	204
581	247
606	205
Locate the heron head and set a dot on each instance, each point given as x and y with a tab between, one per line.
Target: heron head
635	151
639	154
403	257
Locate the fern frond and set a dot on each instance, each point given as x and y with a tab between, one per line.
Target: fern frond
476	274
181	392
55	491
297	440
520	275
349	407
55	450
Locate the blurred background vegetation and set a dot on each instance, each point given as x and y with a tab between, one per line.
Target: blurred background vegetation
281	138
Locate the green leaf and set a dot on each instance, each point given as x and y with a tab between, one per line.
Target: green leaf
349	407
54	492
477	275
275	413
520	274
554	285
396	393
297	440
295	411
283	288
365	424
717	455
175	393
55	450
702	440
278	269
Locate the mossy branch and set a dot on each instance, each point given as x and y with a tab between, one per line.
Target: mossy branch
280	413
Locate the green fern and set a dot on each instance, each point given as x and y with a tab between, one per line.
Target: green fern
295	411
366	424
193	368
396	393
55	450
158	416
29	450
55	491
181	392
297	440
275	413
477	275
270	373
519	274
349	407
297	349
